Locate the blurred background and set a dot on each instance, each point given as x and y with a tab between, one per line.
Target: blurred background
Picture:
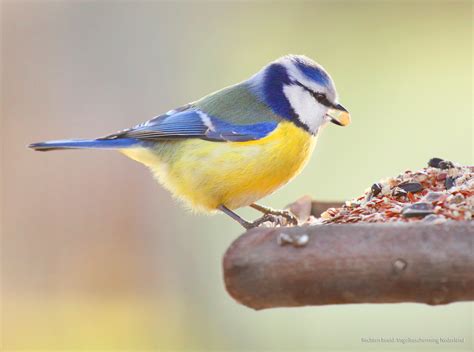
97	256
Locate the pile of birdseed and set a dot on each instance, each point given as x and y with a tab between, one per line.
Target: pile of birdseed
440	192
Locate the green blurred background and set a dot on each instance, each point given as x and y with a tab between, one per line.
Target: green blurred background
97	256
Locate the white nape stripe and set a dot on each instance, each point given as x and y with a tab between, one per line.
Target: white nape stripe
309	111
206	120
297	75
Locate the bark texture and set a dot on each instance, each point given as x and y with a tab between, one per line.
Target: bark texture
356	263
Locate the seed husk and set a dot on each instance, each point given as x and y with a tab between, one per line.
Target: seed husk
301	241
457	199
399	192
284	239
449	182
417	210
433	196
434	219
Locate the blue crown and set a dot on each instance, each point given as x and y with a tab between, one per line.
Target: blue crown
268	84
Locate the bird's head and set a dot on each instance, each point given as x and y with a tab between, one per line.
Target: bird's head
298	89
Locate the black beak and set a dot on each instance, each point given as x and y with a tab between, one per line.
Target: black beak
334	121
338	115
340	108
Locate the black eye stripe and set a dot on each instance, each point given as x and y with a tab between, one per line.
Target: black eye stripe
320	97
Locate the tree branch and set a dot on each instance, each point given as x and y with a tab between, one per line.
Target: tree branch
356	263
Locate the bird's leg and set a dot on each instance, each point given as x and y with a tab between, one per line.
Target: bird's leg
248	225
286	214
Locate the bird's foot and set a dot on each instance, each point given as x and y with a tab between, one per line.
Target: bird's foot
270	218
285	217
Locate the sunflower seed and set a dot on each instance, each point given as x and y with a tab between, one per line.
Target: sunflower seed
444	165
376	189
434	162
432	194
412	187
417	210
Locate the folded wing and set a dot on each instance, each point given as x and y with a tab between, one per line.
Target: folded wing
192	122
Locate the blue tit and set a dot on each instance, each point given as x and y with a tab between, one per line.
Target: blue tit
234	146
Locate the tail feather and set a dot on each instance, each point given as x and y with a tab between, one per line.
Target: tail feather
118	143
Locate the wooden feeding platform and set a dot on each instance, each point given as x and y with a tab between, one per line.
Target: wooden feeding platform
406	253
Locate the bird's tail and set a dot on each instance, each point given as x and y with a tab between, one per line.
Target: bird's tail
118	143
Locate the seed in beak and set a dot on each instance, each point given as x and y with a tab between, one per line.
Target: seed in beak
339	115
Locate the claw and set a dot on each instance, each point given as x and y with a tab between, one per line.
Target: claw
275	217
290	218
265	218
287	215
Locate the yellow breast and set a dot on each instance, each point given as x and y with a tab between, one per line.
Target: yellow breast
207	174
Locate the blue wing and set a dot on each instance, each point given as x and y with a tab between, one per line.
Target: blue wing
231	114
191	122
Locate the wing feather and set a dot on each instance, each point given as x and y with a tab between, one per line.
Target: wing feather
232	114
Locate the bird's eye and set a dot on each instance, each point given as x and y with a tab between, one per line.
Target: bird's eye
321	98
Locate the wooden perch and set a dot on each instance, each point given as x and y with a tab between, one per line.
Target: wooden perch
356	263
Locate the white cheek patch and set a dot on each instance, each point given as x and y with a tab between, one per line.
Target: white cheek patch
309	111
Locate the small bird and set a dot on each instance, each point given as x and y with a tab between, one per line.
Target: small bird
234	146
